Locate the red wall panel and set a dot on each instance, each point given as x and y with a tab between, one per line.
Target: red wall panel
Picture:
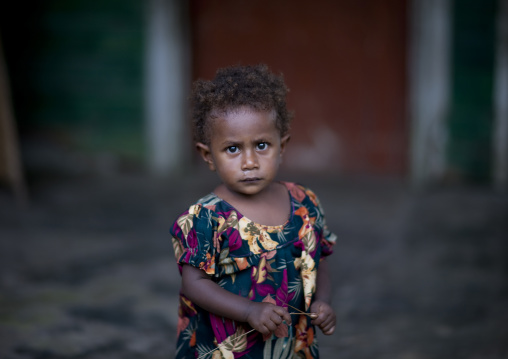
345	65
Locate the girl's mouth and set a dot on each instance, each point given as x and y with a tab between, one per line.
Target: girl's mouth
250	179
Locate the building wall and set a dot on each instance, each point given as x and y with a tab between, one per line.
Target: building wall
77	78
345	65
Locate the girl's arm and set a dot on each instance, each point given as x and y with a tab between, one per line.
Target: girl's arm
321	305
201	290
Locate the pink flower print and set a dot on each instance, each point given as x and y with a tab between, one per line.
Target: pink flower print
283	297
211	207
258	276
235	240
192	240
296	191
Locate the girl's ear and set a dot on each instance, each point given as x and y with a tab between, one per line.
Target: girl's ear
283	142
206	154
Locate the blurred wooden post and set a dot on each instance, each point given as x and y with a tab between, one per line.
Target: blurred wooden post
167	76
10	160
429	88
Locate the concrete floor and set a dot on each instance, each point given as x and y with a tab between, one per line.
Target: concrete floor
87	271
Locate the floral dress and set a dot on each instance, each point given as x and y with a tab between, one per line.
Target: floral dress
276	264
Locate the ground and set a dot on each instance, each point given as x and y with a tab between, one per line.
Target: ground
87	270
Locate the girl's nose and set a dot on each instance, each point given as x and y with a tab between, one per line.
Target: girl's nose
249	161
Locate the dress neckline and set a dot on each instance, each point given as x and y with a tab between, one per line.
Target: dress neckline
259	225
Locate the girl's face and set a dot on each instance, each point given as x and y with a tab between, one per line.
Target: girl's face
245	149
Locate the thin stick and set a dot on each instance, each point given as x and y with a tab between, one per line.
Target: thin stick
223	343
312	315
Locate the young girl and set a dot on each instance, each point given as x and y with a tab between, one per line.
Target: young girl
252	252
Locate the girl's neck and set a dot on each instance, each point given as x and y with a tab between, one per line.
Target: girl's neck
272	207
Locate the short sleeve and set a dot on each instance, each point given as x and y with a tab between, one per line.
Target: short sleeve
327	239
195	240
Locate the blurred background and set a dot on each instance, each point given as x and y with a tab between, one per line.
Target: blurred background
401	127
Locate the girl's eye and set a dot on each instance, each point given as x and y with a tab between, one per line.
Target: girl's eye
262	146
232	149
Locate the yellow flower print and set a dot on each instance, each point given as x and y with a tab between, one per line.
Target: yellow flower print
220	224
312	197
184	302
309	241
216	242
267	243
306	232
267	260
297	263
255	237
186	222
249	234
235	343
259	273
230	222
177	247
308	273
226	353
195	209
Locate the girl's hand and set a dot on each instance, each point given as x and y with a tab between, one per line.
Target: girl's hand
325	317
266	317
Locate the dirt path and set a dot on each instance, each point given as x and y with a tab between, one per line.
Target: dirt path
87	271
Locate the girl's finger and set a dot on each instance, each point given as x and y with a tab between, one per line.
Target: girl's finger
319	319
284	314
271	326
329	331
329	324
326	325
277	319
325	320
265	330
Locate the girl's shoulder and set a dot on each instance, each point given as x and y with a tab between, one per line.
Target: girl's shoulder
200	216
209	204
209	200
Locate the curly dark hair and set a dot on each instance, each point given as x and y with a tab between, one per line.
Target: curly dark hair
235	86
